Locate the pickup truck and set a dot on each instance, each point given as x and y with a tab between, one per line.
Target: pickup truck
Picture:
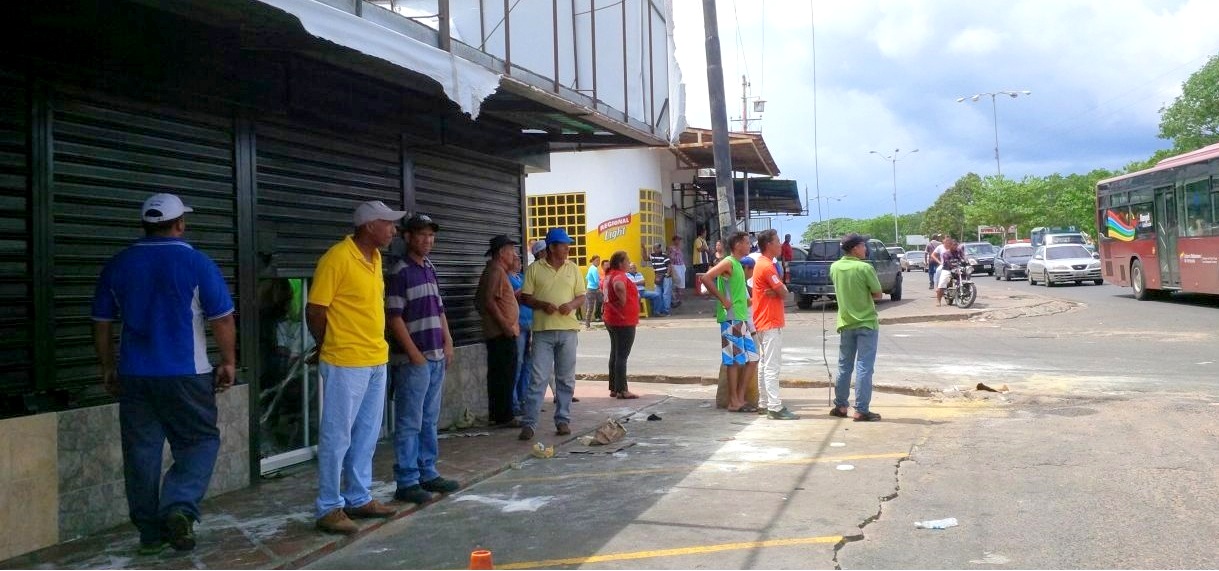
810	279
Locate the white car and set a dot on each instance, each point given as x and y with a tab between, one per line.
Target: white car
1060	263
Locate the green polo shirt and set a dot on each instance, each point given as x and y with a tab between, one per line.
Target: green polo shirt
854	283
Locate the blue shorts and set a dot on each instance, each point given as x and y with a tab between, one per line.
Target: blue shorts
737	346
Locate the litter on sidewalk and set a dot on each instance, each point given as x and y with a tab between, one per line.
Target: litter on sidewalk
936	523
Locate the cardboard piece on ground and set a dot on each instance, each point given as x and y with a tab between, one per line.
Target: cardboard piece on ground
721	392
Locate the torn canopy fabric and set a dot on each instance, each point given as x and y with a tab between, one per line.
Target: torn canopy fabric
464	82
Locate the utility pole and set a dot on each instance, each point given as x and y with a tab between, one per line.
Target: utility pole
745	129
719	122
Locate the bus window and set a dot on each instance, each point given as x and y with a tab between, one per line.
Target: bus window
1142	219
1199	214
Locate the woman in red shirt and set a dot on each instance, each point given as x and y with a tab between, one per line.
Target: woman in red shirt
620	315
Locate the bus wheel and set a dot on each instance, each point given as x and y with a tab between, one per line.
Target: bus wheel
1138	281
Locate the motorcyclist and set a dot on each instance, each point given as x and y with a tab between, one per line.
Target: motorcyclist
949	256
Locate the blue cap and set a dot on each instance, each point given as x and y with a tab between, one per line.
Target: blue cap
557	236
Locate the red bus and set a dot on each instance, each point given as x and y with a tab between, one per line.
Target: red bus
1159	227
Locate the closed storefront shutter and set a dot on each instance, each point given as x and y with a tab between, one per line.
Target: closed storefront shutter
109	157
473	199
16	297
308	185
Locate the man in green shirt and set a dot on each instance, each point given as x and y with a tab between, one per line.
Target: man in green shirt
726	282
857	289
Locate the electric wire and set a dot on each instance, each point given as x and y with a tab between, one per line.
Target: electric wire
825	359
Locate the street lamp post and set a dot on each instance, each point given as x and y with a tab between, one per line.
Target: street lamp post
994	109
822	217
893	160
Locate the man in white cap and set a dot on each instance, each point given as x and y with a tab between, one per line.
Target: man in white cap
162	291
346	315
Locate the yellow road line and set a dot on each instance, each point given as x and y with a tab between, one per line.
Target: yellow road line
688	467
696	550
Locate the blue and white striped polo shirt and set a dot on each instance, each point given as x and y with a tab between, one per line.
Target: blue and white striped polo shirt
162	290
413	295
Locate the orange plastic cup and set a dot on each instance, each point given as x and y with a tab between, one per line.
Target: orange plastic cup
481	559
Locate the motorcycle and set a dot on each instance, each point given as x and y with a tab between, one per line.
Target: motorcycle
961	290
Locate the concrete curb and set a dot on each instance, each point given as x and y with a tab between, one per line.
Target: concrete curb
915	391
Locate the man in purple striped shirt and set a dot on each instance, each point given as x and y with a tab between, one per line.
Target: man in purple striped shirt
419	353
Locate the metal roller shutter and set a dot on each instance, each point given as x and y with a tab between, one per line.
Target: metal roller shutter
107	160
308	185
473	199
16	296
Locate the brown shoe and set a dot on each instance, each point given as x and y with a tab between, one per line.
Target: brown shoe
337	522
562	429
372	509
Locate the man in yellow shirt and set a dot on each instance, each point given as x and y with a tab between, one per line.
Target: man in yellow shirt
346	315
554	289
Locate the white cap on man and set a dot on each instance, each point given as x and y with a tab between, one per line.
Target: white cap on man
375	210
163	208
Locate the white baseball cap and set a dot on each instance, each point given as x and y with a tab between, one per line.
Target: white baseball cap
163	207
375	210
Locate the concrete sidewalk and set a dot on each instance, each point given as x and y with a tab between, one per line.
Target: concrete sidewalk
270	525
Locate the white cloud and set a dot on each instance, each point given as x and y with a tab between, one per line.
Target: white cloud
888	74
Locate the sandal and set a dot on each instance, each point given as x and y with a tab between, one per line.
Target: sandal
626	395
837	412
867	417
613	394
746	408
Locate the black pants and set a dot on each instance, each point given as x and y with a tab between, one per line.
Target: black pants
622	337
501	377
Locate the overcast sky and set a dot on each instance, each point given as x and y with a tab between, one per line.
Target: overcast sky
888	74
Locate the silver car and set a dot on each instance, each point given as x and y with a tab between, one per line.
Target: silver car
1060	263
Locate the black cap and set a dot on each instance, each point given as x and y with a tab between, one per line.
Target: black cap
851	240
420	221
499	242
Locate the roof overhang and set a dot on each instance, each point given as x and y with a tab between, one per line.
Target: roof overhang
767	196
749	153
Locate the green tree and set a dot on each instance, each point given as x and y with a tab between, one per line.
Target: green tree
1192	121
947	214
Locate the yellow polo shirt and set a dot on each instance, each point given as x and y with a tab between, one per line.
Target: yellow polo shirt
557	286
353	291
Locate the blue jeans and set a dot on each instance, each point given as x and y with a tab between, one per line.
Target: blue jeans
856	351
417	392
181	409
520	391
931	268
664	288
554	357
353	403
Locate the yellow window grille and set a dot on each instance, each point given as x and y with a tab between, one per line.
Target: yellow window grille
564	211
651	219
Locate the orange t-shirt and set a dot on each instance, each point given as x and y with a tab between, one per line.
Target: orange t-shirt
767	310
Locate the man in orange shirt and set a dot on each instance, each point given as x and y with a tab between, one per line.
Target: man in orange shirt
769	294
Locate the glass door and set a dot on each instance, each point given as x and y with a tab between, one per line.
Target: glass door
1167	222
289	399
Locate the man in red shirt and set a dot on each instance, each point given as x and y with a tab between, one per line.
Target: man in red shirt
786	256
769	294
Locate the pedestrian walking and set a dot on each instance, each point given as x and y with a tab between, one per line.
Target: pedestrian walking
592	293
346	316
769	294
857	288
422	351
497	306
932	263
162	291
677	260
726	282
621	319
554	290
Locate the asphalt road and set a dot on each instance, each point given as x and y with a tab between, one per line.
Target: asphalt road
1104	454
